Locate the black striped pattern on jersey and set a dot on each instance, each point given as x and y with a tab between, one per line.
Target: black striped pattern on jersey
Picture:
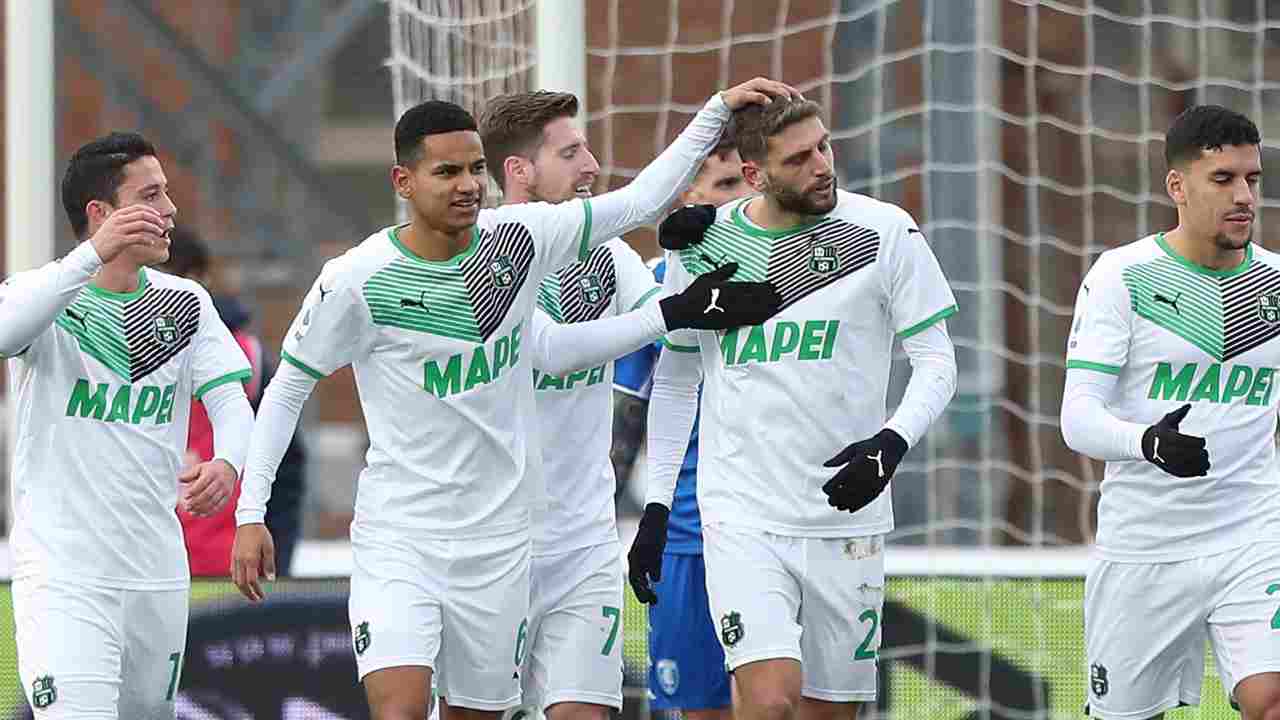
792	259
157	327
581	291
496	272
1243	295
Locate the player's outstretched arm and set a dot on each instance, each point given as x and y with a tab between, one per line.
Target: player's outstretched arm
253	555
659	184
712	302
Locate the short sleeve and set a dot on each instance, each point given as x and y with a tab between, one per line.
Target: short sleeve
636	285
677	280
918	293
333	327
1101	327
561	232
218	358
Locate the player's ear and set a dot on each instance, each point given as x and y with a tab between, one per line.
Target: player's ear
517	171
402	181
754	175
97	212
1173	185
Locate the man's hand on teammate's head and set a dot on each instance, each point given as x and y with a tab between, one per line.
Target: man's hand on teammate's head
207	487
133	225
644	560
686	226
758	91
711	302
868	467
253	557
1171	451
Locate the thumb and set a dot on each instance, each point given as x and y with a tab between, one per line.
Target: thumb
1174	418
842	457
190	473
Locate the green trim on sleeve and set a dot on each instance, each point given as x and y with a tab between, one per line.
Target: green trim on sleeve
645	298
240	375
1096	367
928	322
302	366
584	249
679	348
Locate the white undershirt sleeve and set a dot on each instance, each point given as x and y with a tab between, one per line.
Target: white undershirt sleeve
932	383
673	408
30	301
232	421
1089	427
278	415
560	349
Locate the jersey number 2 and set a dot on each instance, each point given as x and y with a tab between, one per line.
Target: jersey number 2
865	651
1275	619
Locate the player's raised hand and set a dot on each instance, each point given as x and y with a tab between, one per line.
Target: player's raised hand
868	467
253	557
208	486
132	225
1171	451
711	302
758	91
644	559
686	226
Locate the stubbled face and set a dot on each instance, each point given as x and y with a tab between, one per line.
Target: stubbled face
563	167
144	183
1217	194
799	171
446	187
719	181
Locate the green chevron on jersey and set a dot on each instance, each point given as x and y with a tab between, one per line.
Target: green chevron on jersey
799	260
1224	313
133	334
465	297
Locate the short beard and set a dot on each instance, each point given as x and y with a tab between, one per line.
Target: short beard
1222	242
799	202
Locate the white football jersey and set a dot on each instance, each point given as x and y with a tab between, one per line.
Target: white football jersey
104	397
780	399
1173	332
444	383
575	412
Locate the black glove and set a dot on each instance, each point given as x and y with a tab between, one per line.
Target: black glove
711	302
868	466
644	559
685	226
1171	451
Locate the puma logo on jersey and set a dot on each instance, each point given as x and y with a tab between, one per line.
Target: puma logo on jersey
421	302
1166	300
78	317
323	293
715	298
879	458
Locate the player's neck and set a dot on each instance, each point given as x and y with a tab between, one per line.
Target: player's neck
432	244
516	195
768	214
118	276
1202	250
